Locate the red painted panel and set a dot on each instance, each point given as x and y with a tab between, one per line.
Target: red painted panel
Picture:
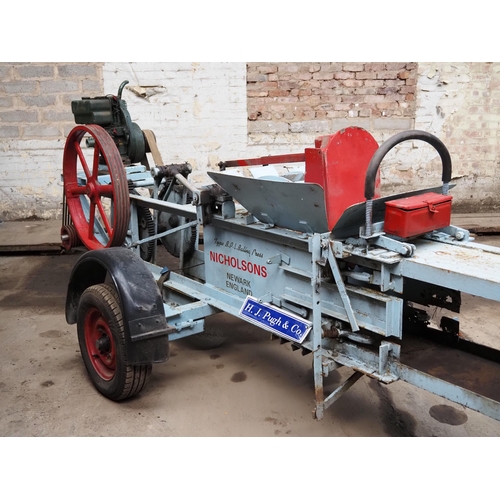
338	163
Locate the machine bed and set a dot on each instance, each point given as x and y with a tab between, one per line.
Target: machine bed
322	263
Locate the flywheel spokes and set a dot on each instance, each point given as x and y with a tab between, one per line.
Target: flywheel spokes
96	188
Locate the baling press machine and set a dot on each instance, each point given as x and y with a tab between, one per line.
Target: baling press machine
319	260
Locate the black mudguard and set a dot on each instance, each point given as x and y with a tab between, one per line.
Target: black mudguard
146	328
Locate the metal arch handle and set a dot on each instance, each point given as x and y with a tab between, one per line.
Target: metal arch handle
379	155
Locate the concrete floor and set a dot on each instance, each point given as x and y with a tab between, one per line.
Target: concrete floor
250	386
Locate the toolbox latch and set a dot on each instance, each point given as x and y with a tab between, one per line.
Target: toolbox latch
432	208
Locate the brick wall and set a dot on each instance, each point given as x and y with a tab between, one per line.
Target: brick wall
322	97
207	112
35	117
289	104
466	115
35	98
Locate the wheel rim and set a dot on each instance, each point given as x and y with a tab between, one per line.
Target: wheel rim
100	344
99	205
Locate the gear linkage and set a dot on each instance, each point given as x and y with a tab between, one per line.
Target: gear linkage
168	171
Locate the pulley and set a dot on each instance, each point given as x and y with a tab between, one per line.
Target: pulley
96	188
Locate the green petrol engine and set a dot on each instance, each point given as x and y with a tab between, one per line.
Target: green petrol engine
111	113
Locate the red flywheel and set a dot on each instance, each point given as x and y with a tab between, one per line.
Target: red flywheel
96	188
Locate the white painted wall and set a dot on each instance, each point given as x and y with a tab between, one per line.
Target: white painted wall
196	110
198	113
30	179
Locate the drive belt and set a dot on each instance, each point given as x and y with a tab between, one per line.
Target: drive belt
153	147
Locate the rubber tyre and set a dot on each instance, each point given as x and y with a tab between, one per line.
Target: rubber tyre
99	315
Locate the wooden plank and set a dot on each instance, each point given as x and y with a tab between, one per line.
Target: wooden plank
30	236
477	223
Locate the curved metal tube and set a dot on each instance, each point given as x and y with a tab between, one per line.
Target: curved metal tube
379	155
120	90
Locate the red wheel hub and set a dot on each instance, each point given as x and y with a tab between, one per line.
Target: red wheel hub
100	344
99	204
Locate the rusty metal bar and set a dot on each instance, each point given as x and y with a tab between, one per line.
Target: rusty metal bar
263	160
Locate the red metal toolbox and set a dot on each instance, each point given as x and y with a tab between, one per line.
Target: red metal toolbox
416	215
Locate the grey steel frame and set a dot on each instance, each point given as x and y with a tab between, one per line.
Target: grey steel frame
300	287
